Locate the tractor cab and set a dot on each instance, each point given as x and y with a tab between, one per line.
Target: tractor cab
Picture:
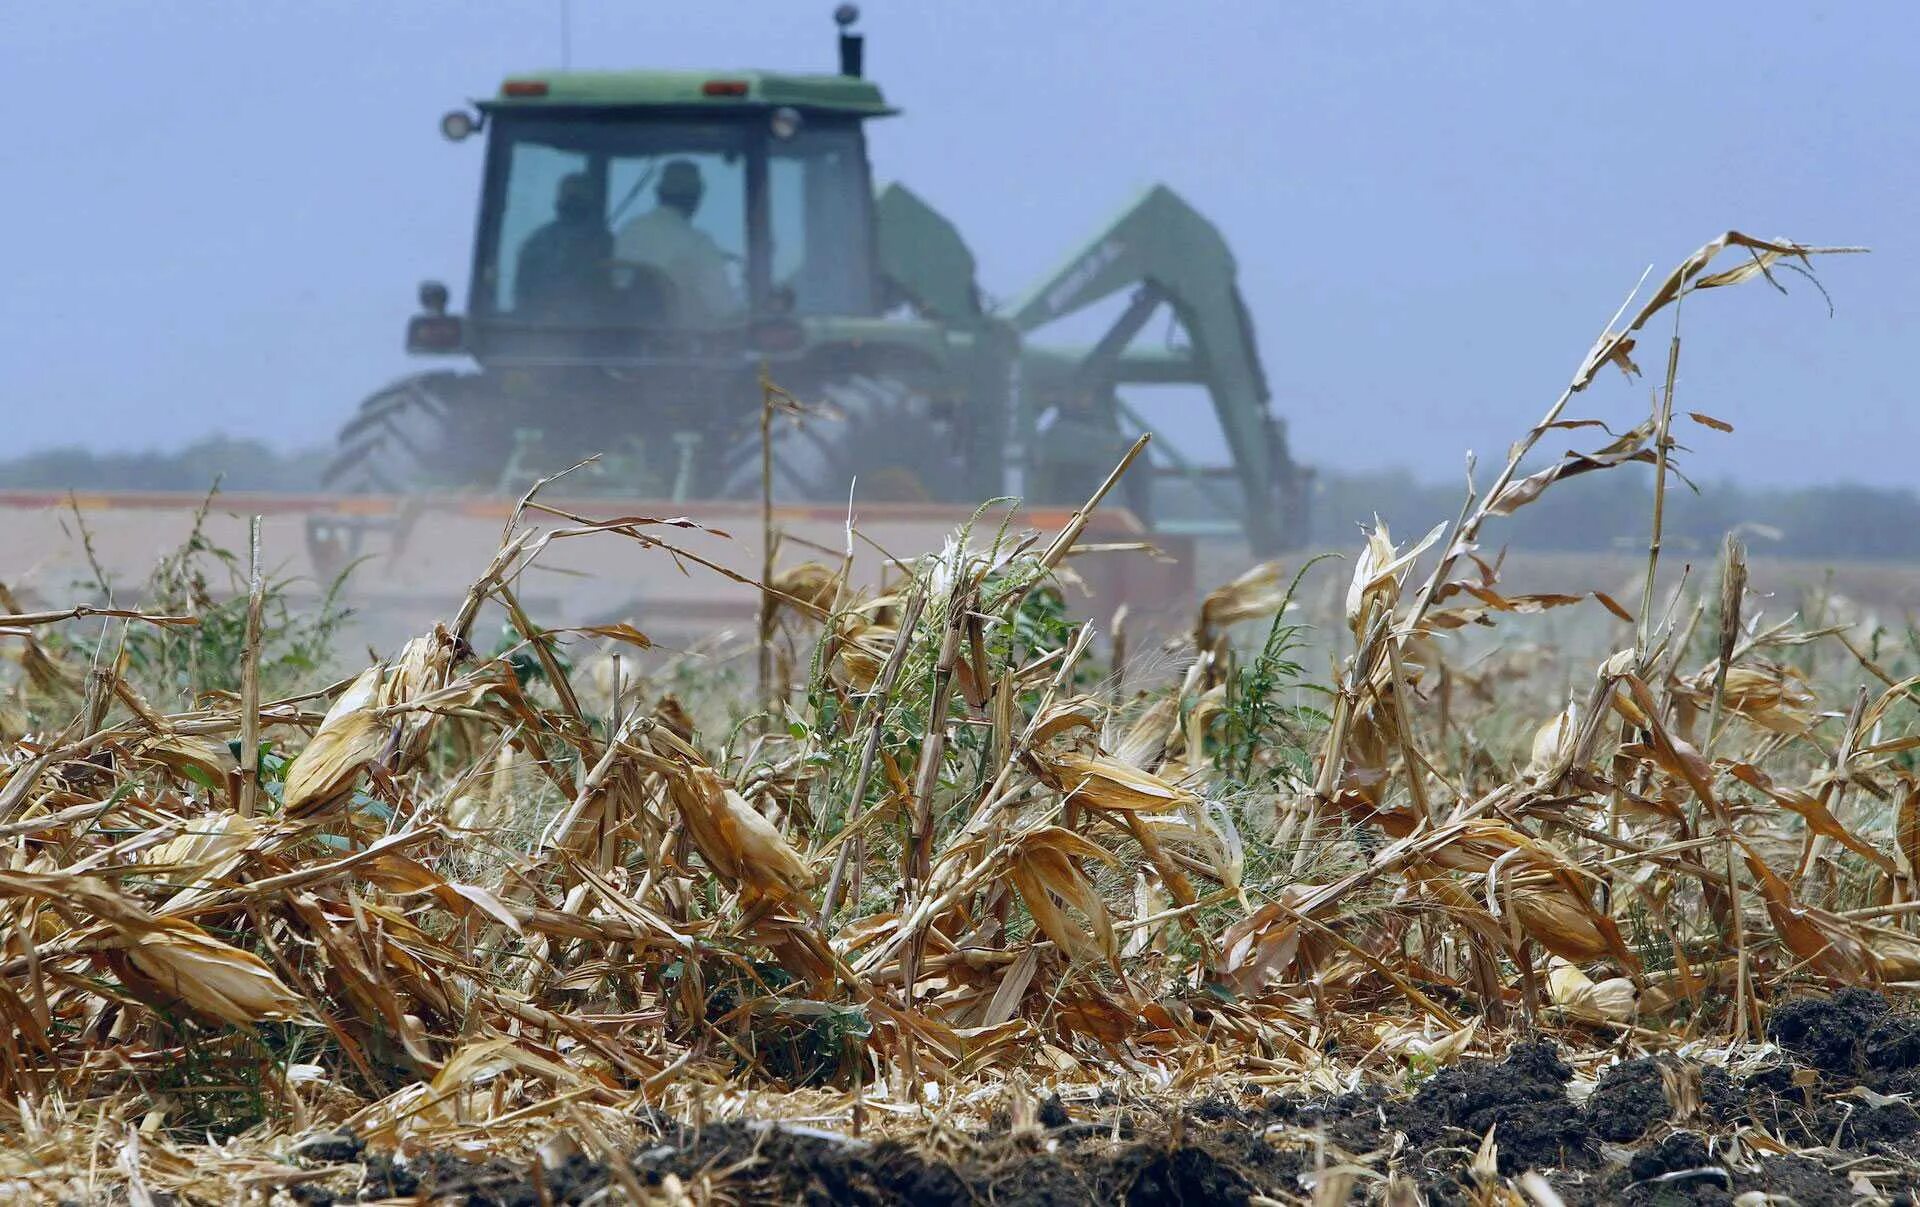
655	247
636	216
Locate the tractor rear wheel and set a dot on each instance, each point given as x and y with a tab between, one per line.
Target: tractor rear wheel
431	431
880	437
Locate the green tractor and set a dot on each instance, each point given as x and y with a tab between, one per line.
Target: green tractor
651	242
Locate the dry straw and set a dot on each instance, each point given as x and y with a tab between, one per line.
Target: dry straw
956	858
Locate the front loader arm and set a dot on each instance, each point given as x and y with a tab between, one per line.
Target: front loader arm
1176	256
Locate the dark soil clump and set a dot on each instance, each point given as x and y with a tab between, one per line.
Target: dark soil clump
1053	1112
1630	1099
780	1166
1678	1153
1848	1052
1523	1096
1829	1034
1651	1132
1853	1034
1354	1123
1184	1175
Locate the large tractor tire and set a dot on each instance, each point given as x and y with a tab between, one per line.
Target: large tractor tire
430	431
882	434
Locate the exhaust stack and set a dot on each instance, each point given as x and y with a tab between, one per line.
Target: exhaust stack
853	46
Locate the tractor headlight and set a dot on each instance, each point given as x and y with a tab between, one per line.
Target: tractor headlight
785	122
457	125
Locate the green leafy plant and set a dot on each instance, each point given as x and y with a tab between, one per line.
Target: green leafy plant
1266	732
203	579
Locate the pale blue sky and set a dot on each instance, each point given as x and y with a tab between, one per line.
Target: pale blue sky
216	211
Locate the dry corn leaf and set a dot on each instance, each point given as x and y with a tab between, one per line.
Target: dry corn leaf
1260	947
862	650
1553	742
1257	593
1565	922
737	843
421	667
1896	956
1143	742
203	854
1545	895
1823	941
1612	1000
1906	828
1098	782
1771	696
350	736
1437	1051
1043	870
1380	566
206	841
810	583
1211	705
1814	811
1099	1017
488	904
1077	712
623	633
181	752
1628	447
176	961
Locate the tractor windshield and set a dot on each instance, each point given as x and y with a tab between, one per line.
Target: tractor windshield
608	220
818	205
602	221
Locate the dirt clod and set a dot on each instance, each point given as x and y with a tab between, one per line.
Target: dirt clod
1628	1102
1828	1034
1624	1144
1053	1112
1186	1175
1679	1152
327	1148
1522	1098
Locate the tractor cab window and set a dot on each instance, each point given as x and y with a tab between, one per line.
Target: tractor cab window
818	199
613	222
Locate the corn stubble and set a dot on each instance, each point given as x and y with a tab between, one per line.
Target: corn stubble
462	909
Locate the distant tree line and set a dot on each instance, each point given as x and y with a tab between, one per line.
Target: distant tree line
1603	511
238	465
1612	510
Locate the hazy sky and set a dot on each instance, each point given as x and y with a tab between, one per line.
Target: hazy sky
216	211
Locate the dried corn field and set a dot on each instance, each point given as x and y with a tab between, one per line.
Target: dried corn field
953	898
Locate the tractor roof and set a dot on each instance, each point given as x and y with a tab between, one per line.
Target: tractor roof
717	90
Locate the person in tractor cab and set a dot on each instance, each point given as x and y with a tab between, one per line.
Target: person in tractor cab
665	238
562	270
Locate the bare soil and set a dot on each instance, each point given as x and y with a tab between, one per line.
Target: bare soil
1653	1130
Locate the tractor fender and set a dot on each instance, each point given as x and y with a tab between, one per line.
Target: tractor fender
439	389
